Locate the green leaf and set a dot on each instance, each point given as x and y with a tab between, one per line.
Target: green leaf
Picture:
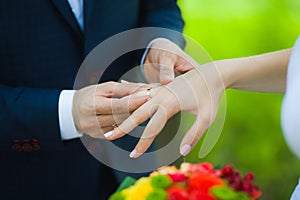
243	196
226	193
116	196
160	181
157	194
128	181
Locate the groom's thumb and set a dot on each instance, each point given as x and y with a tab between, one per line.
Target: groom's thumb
166	72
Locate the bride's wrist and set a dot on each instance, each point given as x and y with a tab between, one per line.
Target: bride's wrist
228	72
220	69
212	75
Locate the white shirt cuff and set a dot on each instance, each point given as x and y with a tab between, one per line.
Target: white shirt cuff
145	54
66	122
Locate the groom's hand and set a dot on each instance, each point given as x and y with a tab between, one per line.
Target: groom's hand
163	60
97	109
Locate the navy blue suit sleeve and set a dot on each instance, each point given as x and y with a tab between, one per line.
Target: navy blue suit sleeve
163	14
29	113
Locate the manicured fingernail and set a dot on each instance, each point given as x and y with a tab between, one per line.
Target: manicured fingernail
185	149
133	154
123	81
108	134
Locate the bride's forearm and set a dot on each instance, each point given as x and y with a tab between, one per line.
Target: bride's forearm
263	73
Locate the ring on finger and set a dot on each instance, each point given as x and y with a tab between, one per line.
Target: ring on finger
148	93
114	126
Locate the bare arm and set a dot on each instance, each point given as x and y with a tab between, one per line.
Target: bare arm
262	73
199	92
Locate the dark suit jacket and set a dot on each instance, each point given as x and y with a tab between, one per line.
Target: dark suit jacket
41	49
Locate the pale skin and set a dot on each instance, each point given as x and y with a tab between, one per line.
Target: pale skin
98	108
199	92
164	60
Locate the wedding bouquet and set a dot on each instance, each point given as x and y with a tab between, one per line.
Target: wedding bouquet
190	182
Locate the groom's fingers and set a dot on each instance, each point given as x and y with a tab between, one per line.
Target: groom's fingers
166	72
117	106
184	68
116	90
109	120
194	134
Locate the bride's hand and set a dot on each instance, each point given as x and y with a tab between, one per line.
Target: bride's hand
198	92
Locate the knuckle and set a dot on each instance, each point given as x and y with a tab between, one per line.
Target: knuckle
109	87
110	83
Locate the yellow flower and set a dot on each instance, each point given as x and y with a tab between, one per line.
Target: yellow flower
139	190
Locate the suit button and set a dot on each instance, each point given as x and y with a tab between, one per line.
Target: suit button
35	145
27	147
16	146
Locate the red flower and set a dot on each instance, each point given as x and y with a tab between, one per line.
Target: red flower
249	177
256	193
177	177
218	172
202	167
198	195
177	193
227	170
203	182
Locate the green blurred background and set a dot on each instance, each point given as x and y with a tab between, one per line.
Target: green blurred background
252	139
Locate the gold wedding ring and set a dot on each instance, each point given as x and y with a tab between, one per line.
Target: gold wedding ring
148	93
114	126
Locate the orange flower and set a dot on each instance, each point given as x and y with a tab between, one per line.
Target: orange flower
177	193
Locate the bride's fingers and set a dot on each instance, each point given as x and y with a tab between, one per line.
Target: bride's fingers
136	118
151	85
194	134
142	146
150	92
153	128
